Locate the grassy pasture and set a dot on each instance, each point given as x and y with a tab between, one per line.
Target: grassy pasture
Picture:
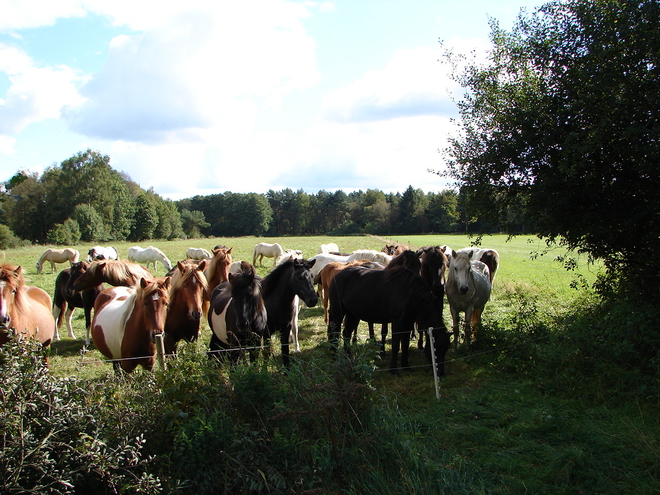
496	429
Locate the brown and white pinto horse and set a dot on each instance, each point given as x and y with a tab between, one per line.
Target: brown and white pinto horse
114	272
126	320
23	308
189	285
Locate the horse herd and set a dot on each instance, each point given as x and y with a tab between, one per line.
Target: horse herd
395	286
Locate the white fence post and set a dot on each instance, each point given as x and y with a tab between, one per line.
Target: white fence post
433	360
160	351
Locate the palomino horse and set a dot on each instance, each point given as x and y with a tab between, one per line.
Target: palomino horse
126	320
237	316
397	295
114	272
148	255
198	253
263	249
184	315
23	308
65	300
468	290
57	256
102	253
280	287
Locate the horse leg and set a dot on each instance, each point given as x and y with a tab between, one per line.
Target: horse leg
57	316
68	317
476	321
350	328
456	320
383	337
396	343
284	338
53	268
405	344
468	326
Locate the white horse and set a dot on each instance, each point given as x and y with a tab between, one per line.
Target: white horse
57	256
323	259
102	253
371	255
330	247
468	289
148	255
198	253
486	255
263	249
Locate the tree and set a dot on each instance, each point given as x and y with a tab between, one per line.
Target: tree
66	233
562	123
193	222
146	219
92	228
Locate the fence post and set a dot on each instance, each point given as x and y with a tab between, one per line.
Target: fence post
433	360
160	351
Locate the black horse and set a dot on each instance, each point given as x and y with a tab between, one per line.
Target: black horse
65	300
434	263
287	280
397	295
237	314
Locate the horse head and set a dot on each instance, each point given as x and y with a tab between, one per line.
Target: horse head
154	295
11	280
303	281
460	271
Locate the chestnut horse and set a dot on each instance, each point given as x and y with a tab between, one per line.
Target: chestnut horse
57	256
114	272
189	285
65	300
23	308
126	320
217	271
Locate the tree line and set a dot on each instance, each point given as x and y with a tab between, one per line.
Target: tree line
84	199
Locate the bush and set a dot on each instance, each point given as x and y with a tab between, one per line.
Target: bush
7	238
64	234
53	439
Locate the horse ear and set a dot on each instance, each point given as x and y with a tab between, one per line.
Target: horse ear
310	263
202	266
166	284
180	266
143	282
19	270
453	253
229	250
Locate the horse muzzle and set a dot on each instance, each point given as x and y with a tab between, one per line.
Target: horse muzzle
5	320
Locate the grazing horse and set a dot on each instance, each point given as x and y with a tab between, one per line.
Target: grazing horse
394	249
65	300
23	308
184	315
148	255
126	321
198	253
371	255
289	279
263	249
330	247
102	253
114	272
57	256
237	316
468	290
397	295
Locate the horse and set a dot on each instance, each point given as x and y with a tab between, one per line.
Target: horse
468	290
394	249
263	249
65	300
238	316
330	247
434	264
397	295
126	321
149	255
198	253
23	308
102	253
489	257
57	256
371	255
114	272
279	289
184	315
217	271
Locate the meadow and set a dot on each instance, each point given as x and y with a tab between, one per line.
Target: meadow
537	405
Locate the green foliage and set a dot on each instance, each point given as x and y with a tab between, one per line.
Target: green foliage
192	223
7	238
64	234
54	440
559	129
146	219
92	228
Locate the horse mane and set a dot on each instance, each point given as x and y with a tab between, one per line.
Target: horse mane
270	282
220	254
153	285
119	270
407	259
14	277
189	270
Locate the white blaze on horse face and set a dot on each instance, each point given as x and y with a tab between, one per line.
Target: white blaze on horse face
155	297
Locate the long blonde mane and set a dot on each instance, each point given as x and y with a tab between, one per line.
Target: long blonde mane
189	270
118	271
13	276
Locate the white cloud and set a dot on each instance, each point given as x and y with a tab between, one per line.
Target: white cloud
35	93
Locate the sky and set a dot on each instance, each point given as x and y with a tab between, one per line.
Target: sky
202	97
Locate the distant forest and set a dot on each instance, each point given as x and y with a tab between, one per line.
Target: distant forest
85	200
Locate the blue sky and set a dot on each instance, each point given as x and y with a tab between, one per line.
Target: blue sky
202	97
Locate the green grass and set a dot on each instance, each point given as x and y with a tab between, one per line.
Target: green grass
503	425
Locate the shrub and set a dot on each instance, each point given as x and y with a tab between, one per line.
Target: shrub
7	238
64	234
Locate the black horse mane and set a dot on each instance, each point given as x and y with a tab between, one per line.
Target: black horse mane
270	282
